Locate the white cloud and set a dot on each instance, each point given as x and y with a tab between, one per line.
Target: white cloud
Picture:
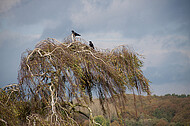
5	5
155	48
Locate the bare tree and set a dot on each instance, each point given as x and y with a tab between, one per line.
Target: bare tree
65	75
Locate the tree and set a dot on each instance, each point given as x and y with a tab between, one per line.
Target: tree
61	77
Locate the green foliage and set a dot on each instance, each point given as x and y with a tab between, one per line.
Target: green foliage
182	96
160	113
167	94
101	120
179	96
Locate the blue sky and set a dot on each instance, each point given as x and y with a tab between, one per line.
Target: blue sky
158	29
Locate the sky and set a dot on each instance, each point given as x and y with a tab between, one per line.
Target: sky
157	29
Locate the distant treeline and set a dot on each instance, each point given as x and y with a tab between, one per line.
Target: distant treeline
179	96
167	110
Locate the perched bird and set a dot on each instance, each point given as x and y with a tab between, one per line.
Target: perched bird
75	34
91	44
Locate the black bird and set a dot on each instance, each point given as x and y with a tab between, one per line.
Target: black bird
75	34
91	44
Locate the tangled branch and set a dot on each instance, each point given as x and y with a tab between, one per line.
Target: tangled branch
60	72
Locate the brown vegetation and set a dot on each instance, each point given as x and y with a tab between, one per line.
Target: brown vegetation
55	74
153	110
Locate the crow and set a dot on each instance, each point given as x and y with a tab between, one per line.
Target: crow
91	44
75	34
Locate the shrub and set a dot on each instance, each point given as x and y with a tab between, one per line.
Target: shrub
101	120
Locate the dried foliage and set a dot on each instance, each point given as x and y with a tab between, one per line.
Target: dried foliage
55	74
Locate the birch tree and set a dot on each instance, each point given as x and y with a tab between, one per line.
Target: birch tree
63	76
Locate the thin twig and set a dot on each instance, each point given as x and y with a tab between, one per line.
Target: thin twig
3	121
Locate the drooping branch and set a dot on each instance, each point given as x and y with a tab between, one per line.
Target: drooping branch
10	89
72	70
